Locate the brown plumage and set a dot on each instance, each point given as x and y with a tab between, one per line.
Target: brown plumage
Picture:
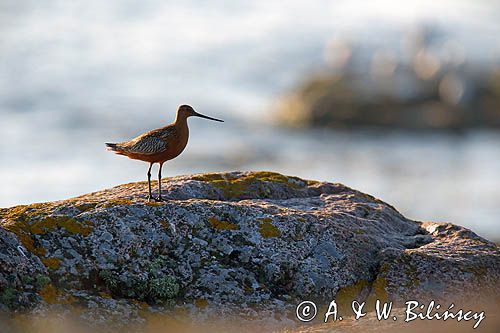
159	145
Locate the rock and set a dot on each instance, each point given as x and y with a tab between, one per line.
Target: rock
380	88
242	243
22	274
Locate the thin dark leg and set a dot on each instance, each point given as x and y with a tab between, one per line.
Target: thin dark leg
159	182
149	181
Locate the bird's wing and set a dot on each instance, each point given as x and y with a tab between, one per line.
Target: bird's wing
148	143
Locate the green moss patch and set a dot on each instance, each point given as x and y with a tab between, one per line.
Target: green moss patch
164	287
156	288
9	297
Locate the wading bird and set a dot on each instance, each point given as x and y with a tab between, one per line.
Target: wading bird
159	145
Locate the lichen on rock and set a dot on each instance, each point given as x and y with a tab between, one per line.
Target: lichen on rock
267	229
238	242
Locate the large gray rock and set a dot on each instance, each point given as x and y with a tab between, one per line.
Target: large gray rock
239	243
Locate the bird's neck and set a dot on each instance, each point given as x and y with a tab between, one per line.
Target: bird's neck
181	122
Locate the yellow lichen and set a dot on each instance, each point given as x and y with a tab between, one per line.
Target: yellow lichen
117	202
234	187
85	206
153	203
378	291
165	224
210	177
479	272
268	230
104	295
24	213
347	294
222	225
355	292
142	306
52	263
38	250
71	225
23	237
277	178
51	295
201	303
21	230
29	220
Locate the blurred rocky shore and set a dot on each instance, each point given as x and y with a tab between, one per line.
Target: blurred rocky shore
428	82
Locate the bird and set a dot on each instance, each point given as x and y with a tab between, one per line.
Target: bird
159	145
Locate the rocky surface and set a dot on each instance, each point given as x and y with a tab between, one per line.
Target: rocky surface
241	243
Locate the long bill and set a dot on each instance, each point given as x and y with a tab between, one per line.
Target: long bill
207	117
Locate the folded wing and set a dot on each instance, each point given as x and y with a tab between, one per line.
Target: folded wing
146	145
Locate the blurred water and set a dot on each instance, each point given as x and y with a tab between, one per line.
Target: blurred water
434	177
76	74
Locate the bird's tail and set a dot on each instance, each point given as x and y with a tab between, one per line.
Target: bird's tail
115	147
111	146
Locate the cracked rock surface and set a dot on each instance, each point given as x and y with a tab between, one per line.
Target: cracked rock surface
230	243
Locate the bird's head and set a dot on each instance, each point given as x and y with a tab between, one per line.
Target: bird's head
186	111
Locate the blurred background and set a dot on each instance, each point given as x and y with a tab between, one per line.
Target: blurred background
399	99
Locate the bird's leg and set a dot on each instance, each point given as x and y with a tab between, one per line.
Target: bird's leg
159	183
149	181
